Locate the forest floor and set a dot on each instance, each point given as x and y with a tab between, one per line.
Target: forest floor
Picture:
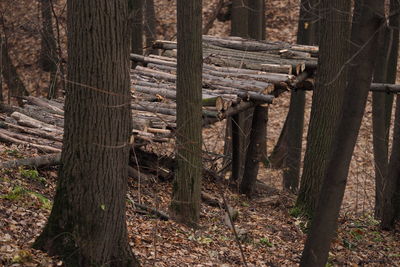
268	233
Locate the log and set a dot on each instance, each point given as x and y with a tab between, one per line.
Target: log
33	131
45	104
33	162
30	122
32	140
8	139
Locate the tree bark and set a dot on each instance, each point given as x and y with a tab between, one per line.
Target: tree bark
290	140
240	15
255	150
88	216
368	18
136	14
150	26
385	72
327	99
15	85
185	205
391	194
48	50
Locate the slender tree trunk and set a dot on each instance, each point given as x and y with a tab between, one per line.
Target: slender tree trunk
88	216
136	11
255	143
287	155
255	151
391	197
385	72
327	99
256	15
150	26
15	85
237	130
367	20
1	70
48	51
185	204
239	21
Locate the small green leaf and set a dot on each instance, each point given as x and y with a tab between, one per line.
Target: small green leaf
103	207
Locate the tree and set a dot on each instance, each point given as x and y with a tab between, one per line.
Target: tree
295	118
150	25
254	150
185	205
87	224
136	14
239	19
48	49
327	100
15	85
287	155
385	72
368	18
391	197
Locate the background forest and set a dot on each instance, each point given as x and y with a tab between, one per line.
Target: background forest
269	230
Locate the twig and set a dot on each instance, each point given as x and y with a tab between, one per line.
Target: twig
234	231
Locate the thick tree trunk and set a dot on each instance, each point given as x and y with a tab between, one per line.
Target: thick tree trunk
150	26
367	20
136	14
327	99
385	72
48	50
88	216
185	204
15	85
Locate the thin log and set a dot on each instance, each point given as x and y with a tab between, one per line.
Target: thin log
33	162
8	139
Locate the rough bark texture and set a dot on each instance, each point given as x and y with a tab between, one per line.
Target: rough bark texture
88	216
15	85
240	15
136	13
367	20
385	72
255	150
1	70
327	99
150	26
391	197
185	204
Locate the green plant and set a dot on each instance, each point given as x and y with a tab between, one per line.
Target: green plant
32	175
16	193
46	203
265	242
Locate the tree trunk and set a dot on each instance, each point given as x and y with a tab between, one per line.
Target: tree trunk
15	85
255	142
367	20
391	197
255	151
48	50
185	204
327	99
385	72
240	15
88	216
1	70
287	155
256	15
150	26
136	11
